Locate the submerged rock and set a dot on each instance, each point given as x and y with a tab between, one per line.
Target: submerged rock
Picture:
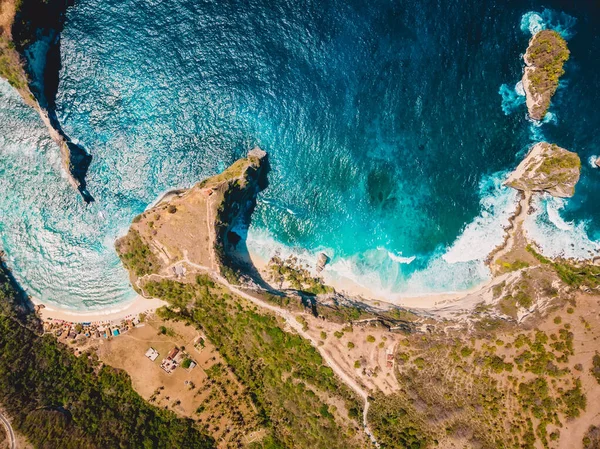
548	168
322	260
546	54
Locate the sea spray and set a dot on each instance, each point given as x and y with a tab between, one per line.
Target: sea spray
483	234
555	236
533	22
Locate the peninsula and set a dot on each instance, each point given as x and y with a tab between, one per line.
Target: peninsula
546	54
22	24
194	227
547	168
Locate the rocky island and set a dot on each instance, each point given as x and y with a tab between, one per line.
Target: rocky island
23	24
546	54
547	168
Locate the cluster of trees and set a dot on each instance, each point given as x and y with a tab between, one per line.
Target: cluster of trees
58	400
285	376
137	255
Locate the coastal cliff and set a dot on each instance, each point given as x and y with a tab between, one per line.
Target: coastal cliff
548	168
23	24
546	54
194	226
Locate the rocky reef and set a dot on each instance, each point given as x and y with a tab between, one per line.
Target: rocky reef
547	168
23	25
194	227
546	54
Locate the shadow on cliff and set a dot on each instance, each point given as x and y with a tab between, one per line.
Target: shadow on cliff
236	251
37	27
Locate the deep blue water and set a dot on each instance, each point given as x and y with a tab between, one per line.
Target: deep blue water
390	127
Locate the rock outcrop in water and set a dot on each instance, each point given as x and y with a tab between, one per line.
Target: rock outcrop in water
546	54
24	24
195	226
547	168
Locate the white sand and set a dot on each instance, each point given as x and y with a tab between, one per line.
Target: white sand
124	311
429	302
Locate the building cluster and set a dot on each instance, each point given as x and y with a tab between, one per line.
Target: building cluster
174	358
75	331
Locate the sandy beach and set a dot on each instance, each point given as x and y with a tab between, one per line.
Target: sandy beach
427	302
118	312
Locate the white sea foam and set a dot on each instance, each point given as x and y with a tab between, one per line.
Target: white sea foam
592	161
555	236
519	89
512	98
532	22
400	258
381	271
486	232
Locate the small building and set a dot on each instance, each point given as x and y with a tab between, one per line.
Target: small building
152	354
171	355
115	332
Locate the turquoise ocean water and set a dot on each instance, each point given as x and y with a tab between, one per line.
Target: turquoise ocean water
390	128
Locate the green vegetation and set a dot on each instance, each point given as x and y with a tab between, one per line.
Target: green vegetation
285	376
547	52
591	440
596	367
514	266
233	172
162	330
136	255
10	67
298	278
558	161
395	426
587	275
370	339
58	400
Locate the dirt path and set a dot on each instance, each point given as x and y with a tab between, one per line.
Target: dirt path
9	432
290	319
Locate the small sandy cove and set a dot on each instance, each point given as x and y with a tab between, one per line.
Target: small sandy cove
121	311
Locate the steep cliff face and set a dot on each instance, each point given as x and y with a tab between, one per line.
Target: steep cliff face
23	24
546	54
549	168
194	226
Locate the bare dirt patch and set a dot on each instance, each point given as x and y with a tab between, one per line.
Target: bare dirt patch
208	393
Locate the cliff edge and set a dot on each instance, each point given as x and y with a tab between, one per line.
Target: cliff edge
546	54
549	168
194	226
22	24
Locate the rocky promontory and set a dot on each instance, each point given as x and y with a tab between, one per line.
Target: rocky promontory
546	54
24	23
547	168
194	227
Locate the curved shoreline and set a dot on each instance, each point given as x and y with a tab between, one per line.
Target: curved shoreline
127	310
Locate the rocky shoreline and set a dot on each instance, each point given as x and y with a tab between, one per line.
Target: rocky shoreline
22	25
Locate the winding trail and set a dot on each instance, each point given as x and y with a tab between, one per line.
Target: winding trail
292	322
9	432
